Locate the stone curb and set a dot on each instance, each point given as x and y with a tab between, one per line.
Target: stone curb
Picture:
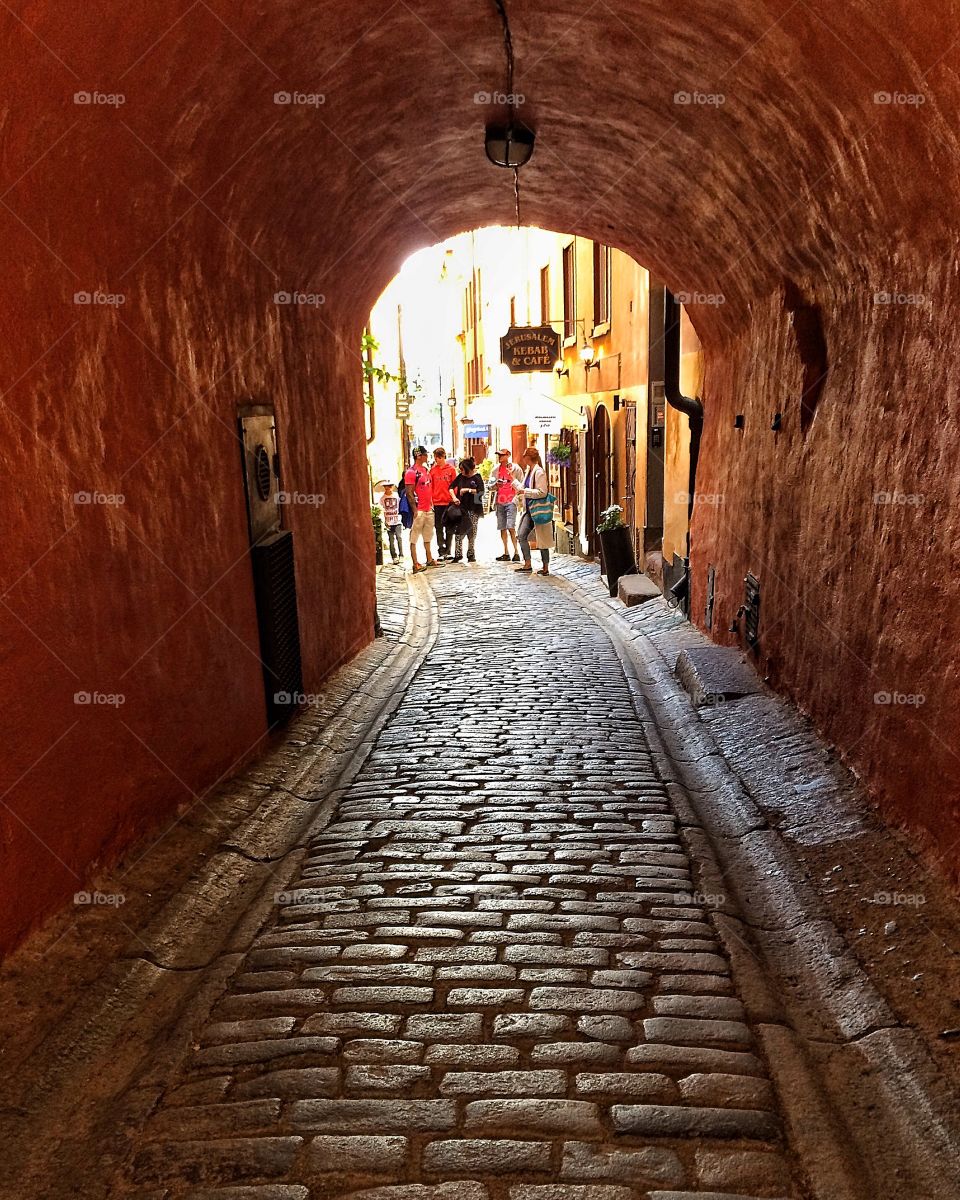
161	981
285	818
725	819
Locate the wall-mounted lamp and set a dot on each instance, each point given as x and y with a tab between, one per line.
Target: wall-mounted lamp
452	398
594	363
562	371
586	351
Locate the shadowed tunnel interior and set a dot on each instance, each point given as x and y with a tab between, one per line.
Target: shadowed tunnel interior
796	159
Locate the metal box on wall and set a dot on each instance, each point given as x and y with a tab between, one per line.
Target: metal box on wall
261	469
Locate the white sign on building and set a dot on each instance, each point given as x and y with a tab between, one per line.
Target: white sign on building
544	422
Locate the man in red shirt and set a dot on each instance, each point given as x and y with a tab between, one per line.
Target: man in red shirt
502	479
442	474
416	482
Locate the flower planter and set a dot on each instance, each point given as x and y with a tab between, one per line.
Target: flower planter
616	555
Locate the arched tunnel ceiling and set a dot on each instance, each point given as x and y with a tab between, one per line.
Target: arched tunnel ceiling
782	163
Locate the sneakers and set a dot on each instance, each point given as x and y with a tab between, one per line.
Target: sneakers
516	558
503	558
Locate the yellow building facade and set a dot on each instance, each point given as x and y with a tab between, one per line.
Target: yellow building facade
600	408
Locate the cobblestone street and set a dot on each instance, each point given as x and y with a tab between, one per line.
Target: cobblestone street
498	971
491	968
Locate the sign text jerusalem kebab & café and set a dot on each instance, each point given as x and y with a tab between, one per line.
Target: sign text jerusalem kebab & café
529	348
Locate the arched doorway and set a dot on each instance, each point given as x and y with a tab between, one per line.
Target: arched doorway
601	476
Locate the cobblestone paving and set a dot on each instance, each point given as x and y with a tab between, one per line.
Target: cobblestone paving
491	978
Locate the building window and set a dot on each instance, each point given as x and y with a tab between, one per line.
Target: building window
569	292
601	284
545	295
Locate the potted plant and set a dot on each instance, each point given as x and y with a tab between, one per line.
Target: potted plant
616	547
376	514
559	455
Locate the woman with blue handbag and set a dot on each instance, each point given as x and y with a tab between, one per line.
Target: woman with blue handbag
538	503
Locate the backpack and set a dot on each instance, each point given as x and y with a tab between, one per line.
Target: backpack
406	516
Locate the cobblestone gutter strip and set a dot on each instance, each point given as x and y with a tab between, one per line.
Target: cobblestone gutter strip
178	965
849	1076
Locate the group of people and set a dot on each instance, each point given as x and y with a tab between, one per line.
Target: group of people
446	504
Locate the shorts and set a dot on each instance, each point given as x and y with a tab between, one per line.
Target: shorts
506	516
423	526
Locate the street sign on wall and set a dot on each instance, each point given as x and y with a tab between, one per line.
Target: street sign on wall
526	348
476	433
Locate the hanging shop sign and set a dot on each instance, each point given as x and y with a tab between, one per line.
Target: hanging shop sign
476	433
403	406
526	348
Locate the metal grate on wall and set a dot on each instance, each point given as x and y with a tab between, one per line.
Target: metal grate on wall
276	596
751	608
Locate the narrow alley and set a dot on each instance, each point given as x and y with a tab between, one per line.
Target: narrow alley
501	958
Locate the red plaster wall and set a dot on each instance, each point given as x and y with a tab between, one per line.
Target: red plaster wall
200	197
853	533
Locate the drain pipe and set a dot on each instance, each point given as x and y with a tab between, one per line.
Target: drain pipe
693	410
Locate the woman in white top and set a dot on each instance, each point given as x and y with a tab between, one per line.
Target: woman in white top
534	485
